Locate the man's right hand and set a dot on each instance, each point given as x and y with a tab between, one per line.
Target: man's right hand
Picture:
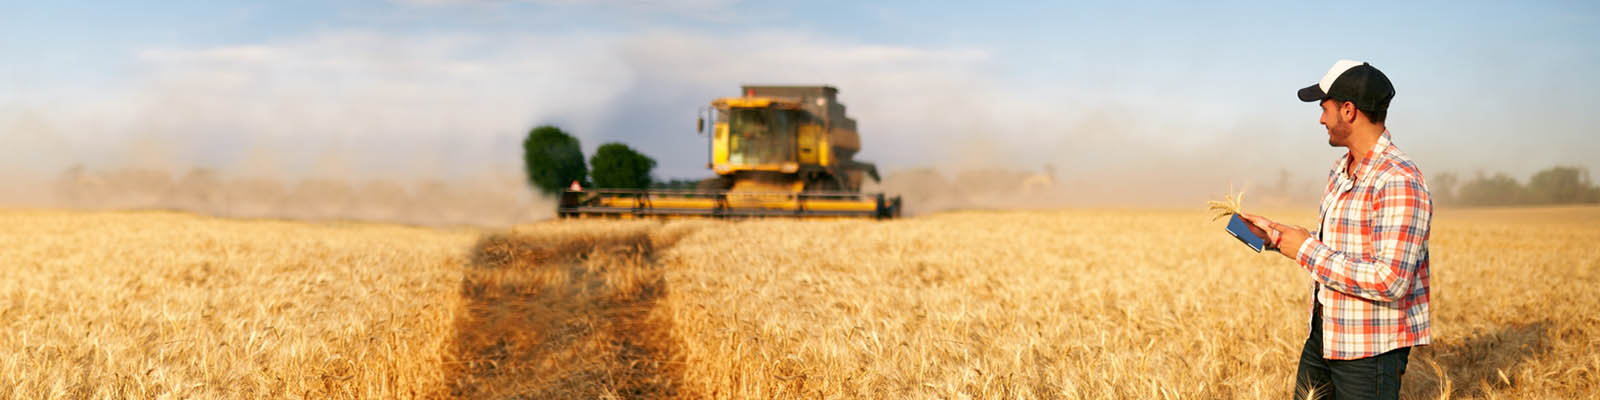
1262	227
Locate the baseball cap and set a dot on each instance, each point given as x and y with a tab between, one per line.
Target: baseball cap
1355	82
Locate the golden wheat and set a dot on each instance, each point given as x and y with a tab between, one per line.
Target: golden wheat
1061	304
155	304
1231	204
1105	304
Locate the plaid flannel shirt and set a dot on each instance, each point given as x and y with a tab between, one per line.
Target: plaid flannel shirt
1369	257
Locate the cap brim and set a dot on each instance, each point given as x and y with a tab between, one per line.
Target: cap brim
1312	93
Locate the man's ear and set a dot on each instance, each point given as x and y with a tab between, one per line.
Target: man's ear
1347	111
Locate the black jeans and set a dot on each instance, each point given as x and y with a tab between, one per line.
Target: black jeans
1376	377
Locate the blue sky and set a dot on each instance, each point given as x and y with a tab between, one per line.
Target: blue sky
1150	90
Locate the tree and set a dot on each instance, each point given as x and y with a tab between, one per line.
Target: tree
1497	190
617	166
1559	185
553	159
1443	187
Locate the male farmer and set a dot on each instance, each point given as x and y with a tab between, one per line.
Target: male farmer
1368	256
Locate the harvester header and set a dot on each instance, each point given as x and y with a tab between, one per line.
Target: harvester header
777	151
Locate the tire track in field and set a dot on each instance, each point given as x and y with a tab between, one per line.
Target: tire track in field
572	315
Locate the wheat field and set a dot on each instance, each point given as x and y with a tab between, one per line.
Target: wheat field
166	305
977	304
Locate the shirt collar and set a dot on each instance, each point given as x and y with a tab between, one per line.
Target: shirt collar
1366	163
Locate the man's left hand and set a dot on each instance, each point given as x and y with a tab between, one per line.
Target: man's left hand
1290	238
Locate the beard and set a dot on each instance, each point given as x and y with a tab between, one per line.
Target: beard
1338	134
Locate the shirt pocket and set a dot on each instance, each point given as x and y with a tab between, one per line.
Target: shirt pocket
1366	215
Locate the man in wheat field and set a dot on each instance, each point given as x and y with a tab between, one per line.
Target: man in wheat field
1368	257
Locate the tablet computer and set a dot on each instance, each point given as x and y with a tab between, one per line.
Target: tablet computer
1241	230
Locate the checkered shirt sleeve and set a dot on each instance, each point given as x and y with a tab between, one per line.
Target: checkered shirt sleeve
1398	233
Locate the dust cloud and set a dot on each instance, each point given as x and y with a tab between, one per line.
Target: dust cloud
927	190
488	200
1114	158
424	135
497	200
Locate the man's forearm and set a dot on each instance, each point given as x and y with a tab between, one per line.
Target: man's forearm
1385	279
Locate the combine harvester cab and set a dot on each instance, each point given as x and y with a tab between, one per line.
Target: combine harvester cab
778	151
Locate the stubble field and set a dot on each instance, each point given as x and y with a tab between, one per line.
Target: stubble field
993	304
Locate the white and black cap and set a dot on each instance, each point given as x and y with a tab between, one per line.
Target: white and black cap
1353	81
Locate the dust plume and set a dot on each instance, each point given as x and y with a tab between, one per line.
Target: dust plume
926	190
487	199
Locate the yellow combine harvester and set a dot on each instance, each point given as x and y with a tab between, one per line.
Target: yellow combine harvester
778	151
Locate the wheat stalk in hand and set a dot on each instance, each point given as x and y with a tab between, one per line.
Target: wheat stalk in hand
1230	205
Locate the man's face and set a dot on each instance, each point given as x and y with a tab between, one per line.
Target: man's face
1333	120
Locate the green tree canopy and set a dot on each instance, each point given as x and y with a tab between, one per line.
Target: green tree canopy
553	159
1560	185
617	166
1496	190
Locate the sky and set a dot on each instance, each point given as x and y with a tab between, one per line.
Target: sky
1149	92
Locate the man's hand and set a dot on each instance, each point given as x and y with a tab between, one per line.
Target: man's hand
1287	238
1290	239
1262	227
